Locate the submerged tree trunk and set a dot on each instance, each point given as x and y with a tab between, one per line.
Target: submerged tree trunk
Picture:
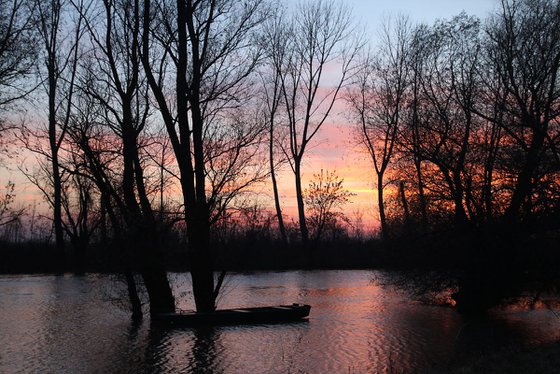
204	81
125	258
159	291
152	266
202	274
141	223
135	304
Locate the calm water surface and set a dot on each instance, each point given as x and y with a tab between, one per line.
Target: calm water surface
70	324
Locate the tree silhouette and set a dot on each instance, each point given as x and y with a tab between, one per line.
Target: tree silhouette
324	198
319	34
209	48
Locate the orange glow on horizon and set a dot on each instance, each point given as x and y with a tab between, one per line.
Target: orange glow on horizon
334	149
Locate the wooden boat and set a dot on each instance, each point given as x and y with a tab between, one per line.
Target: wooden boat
268	314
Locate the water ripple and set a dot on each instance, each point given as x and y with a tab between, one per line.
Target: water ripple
71	324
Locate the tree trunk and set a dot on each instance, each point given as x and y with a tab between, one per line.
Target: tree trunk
103	218
404	203
141	224
416	151
57	210
524	185
487	190
198	211
489	163
152	267
125	260
135	304
300	204
461	218
421	194
381	204
281	226
202	274
55	167
129	192
159	291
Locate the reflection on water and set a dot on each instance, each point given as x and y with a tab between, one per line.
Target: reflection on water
70	324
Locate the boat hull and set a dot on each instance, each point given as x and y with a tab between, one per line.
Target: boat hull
259	315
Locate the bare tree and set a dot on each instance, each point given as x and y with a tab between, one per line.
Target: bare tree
319	36
97	156
411	130
80	218
380	100
524	47
121	91
442	122
274	44
324	198
209	48
60	50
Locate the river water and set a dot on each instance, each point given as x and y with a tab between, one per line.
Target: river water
75	324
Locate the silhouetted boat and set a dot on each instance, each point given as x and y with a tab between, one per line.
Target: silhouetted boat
268	314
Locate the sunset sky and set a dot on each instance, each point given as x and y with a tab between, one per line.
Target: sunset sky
335	147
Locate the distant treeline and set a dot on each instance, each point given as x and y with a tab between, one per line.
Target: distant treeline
238	255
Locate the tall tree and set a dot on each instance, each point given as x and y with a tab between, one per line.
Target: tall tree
449	86
441	120
210	49
379	102
114	79
97	156
319	36
60	50
274	44
524	47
